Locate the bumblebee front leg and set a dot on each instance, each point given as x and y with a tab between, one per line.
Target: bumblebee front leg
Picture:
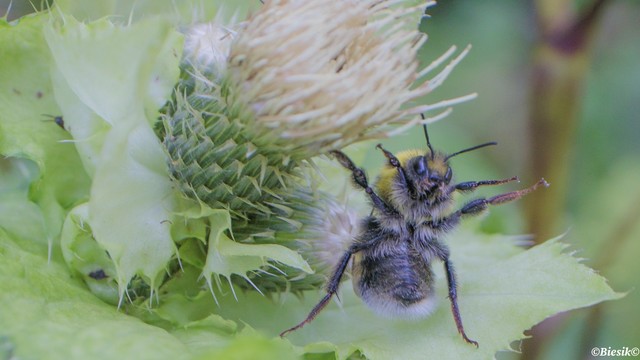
453	297
393	161
476	206
332	289
360	179
472	185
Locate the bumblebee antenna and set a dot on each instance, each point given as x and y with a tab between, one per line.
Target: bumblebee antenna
426	136
470	149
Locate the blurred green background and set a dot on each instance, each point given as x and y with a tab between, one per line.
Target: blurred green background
599	149
559	89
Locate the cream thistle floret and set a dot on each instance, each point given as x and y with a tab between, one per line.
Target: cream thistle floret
207	47
325	74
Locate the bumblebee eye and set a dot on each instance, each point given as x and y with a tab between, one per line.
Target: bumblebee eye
448	175
420	166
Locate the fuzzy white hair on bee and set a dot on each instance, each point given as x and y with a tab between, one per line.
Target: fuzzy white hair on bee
405	233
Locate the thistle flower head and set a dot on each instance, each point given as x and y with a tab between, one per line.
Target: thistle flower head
258	100
325	74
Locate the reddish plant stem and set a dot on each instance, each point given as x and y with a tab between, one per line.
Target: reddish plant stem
560	64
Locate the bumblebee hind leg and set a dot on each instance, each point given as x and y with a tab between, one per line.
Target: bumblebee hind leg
332	289
453	297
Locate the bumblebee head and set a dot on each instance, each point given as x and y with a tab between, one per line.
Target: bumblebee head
432	171
428	173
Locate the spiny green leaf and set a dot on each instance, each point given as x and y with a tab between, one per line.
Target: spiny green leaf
503	290
226	257
608	233
110	103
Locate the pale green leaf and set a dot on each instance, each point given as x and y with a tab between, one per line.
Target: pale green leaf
47	315
180	12
20	217
25	95
85	256
251	345
110	81
141	60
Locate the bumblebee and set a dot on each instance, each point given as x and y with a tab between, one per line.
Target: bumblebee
392	255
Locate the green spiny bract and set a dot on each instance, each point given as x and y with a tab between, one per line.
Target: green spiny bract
218	156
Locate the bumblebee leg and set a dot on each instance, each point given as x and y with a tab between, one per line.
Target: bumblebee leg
332	289
393	161
476	206
472	185
360	179
453	297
